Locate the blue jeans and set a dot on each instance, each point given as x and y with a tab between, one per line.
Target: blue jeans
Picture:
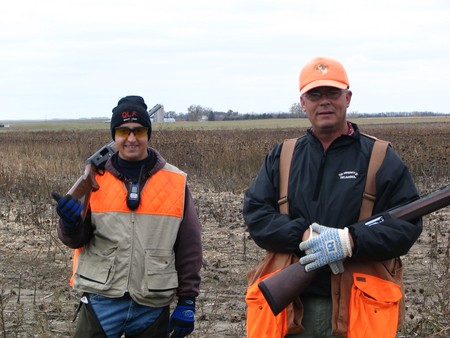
122	315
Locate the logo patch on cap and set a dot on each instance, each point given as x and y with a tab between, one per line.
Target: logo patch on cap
322	68
129	115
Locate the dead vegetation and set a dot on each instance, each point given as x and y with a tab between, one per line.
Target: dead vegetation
35	300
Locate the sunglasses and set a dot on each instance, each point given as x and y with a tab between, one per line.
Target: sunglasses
125	131
316	95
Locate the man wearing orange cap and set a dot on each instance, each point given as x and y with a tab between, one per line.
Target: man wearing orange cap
322	228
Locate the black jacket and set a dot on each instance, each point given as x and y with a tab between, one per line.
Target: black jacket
327	187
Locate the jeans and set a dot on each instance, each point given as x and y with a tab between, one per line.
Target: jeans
122	315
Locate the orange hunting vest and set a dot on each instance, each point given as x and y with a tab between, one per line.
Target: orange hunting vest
385	311
144	237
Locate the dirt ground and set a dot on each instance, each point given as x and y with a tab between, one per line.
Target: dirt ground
34	268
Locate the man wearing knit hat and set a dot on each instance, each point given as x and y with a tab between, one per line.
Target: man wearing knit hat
139	246
326	185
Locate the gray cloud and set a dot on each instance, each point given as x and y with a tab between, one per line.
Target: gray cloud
76	59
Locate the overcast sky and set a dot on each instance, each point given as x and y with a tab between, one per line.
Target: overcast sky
73	59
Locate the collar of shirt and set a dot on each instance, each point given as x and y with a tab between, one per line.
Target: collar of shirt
350	129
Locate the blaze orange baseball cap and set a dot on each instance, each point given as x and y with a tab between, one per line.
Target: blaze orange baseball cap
323	71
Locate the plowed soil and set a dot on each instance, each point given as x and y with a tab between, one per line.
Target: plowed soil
37	302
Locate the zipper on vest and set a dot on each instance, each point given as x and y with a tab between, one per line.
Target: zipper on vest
133	222
319	177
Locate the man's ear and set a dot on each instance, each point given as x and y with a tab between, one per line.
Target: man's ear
348	97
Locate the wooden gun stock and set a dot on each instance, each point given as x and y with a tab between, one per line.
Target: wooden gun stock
282	288
83	187
86	183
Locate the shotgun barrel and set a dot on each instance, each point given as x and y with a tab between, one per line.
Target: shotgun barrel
282	288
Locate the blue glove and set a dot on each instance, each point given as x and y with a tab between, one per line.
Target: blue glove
330	245
336	267
182	320
69	209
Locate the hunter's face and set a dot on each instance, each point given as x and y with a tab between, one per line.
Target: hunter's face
326	108
131	141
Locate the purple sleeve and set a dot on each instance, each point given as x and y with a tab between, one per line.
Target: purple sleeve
188	251
75	237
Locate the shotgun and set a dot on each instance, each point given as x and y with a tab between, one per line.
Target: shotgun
283	287
86	183
83	187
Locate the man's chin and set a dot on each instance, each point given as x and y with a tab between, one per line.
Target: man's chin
326	125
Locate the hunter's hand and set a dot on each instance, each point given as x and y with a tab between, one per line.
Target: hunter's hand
182	319
336	267
69	209
330	245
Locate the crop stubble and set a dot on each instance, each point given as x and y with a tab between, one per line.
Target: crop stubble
36	300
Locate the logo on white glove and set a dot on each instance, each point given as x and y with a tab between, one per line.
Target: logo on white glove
331	246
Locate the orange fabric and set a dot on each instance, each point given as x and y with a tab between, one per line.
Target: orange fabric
157	197
76	253
261	322
390	270
374	307
275	261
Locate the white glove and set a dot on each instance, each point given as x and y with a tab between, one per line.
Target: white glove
326	246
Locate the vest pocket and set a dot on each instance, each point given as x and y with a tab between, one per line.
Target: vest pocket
261	322
160	270
374	307
96	270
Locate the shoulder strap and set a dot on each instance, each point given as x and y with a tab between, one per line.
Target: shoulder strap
370	190
287	152
369	196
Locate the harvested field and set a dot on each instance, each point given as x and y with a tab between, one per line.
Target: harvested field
35	300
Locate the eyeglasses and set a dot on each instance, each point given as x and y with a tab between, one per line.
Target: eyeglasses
316	95
125	131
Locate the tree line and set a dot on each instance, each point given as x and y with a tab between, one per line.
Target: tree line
199	113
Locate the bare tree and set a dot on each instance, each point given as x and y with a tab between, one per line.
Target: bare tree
296	110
